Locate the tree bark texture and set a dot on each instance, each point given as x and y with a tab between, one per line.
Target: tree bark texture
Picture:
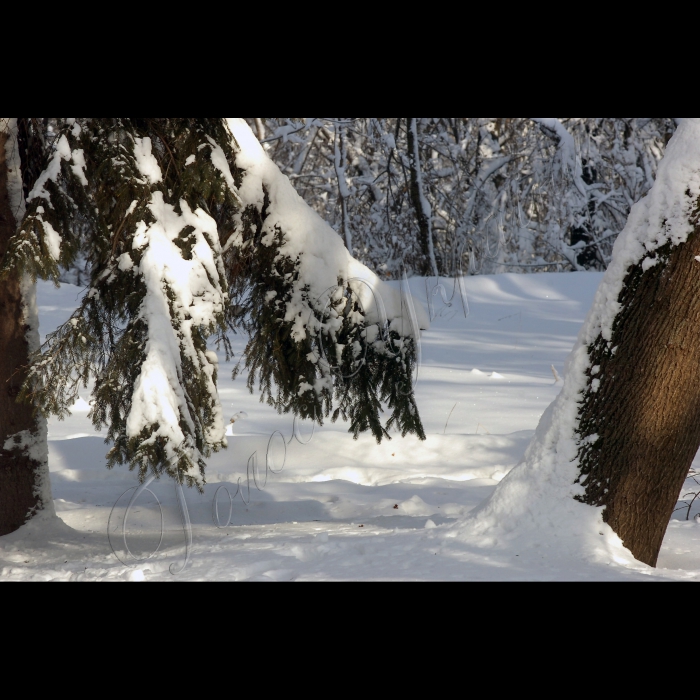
19	472
424	227
643	401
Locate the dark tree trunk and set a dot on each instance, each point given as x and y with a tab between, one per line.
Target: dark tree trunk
424	228
341	163
646	410
20	473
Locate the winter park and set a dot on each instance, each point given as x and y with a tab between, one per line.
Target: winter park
351	349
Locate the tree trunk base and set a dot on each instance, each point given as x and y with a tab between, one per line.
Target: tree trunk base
643	401
18	492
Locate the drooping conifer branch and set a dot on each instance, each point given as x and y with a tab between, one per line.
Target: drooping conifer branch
169	213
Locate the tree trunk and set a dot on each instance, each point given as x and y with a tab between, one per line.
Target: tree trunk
341	162
420	203
23	469
645	411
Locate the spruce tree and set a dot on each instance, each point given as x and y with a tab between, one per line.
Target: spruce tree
189	232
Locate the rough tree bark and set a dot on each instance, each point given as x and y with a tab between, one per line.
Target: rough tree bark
639	414
623	432
22	470
646	409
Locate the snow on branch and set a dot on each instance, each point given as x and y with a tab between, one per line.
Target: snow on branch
570	164
142	199
320	338
324	260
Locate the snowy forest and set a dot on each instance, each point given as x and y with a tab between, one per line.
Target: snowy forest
288	349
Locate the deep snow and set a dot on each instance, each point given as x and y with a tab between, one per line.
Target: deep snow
344	509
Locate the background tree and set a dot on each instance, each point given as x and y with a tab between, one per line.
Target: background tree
503	194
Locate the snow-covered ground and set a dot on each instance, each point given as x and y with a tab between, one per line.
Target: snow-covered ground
343	509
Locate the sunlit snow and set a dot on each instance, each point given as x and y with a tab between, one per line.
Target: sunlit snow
352	510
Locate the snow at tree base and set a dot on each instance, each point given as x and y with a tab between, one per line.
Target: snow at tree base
465	462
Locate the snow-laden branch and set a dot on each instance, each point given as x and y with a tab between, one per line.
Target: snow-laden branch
324	258
570	162
326	335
